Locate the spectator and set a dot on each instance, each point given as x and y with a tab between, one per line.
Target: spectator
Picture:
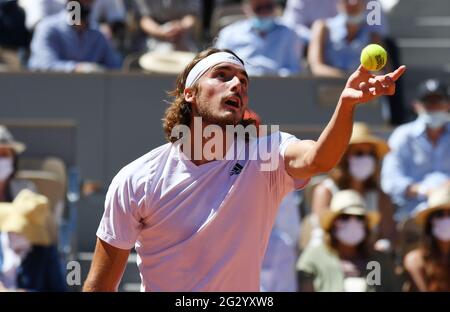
109	11
429	265
169	24
419	159
13	35
359	170
23	227
266	46
336	43
341	263
34	257
301	15
59	46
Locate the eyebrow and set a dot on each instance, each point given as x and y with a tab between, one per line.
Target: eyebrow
227	67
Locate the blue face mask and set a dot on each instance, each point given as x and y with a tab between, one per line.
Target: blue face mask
263	24
434	120
354	19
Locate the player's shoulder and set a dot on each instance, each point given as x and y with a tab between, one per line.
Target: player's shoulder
142	169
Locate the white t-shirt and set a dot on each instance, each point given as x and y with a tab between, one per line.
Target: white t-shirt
197	228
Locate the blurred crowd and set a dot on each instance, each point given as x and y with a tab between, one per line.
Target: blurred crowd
276	38
325	36
380	220
386	204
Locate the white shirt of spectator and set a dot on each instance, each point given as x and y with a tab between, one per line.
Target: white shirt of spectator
196	228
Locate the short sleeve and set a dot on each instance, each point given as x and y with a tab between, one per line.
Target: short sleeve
284	140
121	222
270	152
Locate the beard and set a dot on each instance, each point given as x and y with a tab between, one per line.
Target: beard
210	118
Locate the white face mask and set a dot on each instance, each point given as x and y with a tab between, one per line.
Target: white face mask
350	232
441	228
6	168
361	167
434	120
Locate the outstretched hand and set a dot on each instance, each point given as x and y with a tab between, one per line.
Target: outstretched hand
364	87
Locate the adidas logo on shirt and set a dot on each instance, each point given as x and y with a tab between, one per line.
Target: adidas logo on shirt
236	169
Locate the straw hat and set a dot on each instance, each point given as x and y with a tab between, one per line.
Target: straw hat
438	200
27	215
167	62
362	134
7	140
348	202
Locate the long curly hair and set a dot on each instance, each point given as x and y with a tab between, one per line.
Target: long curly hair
437	271
179	112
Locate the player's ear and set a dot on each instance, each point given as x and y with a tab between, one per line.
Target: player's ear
189	95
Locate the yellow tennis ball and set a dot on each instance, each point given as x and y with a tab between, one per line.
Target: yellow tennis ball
373	57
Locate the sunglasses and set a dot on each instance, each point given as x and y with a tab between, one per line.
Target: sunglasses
441	214
363	153
264	8
346	217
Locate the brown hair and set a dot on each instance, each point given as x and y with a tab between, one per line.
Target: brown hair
437	271
341	175
179	112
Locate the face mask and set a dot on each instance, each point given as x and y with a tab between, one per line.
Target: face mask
350	232
361	167
263	24
441	228
6	168
354	19
434	120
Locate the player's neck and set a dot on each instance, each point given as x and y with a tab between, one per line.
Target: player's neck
209	149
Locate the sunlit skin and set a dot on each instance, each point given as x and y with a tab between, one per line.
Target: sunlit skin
218	85
5	152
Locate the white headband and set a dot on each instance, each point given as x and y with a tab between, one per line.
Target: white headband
201	67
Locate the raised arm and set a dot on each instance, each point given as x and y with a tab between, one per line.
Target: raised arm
107	268
304	159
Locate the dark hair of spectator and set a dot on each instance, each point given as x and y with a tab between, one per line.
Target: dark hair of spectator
341	175
437	271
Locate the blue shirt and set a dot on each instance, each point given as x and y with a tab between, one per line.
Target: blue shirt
339	52
57	46
412	159
277	53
